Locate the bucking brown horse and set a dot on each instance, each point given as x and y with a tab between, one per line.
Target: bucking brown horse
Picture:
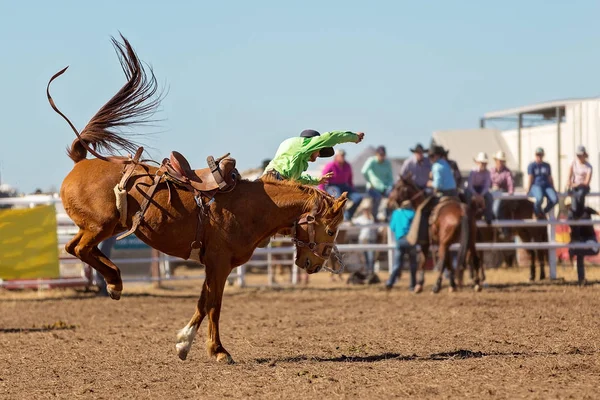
219	228
453	224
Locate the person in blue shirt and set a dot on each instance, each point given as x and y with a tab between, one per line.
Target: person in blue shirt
541	184
400	225
442	176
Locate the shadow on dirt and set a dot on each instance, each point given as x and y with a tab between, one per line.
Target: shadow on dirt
445	356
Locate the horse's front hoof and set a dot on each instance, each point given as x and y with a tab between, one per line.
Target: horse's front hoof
477	288
225	358
435	289
182	350
451	289
418	289
113	293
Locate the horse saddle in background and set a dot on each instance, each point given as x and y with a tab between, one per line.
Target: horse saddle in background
221	174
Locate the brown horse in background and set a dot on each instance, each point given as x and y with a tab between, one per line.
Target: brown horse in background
523	209
234	223
454	224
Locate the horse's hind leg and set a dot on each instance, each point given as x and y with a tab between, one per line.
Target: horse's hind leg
443	261
532	265
451	271
84	246
421	270
542	254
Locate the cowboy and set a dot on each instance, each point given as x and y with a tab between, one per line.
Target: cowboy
455	169
541	184
442	178
400	224
294	154
341	181
480	183
443	184
417	167
578	181
377	171
502	182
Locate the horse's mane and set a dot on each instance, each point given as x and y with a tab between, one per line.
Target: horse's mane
317	200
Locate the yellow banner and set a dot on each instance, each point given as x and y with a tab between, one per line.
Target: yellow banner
28	243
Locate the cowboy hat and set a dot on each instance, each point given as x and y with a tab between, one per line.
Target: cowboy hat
324	152
418	149
481	158
437	151
500	155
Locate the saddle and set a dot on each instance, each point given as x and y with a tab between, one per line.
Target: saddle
221	174
441	203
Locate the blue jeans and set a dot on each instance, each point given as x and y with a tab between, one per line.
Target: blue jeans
376	197
578	200
354	196
539	192
402	248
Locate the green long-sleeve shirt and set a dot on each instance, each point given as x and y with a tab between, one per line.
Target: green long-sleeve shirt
291	159
379	176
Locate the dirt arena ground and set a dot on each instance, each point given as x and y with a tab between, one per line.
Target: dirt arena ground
327	340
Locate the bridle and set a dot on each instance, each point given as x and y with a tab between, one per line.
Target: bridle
321	250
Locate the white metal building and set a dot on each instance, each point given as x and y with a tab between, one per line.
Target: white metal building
557	126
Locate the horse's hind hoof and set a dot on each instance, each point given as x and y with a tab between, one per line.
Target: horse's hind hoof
418	289
225	358
113	293
477	288
435	289
451	289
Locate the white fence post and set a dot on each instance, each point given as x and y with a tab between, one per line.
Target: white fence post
241	276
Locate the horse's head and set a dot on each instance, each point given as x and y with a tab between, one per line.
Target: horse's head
405	189
315	233
477	205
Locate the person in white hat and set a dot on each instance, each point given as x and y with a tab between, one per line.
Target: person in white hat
480	182
578	181
502	182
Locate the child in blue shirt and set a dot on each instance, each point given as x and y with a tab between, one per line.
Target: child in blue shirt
400	225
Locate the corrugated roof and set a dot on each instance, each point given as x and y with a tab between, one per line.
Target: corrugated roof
539	108
464	144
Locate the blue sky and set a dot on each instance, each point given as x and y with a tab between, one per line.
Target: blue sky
244	75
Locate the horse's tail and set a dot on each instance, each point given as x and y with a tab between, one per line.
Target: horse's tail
465	236
133	104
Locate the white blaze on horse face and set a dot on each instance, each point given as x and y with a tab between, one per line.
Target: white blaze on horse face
185	337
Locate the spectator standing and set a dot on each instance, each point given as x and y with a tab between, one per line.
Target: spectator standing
342	181
417	166
367	236
400	225
377	171
541	184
